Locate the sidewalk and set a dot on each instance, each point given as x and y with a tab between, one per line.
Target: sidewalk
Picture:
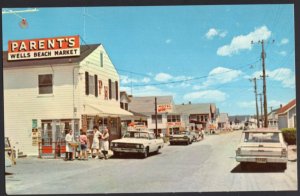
292	153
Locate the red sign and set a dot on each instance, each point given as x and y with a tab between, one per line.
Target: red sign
164	108
174	124
44	48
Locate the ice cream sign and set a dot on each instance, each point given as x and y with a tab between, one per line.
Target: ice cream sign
66	46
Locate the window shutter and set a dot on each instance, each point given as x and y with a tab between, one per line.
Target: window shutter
117	92
109	88
96	85
87	83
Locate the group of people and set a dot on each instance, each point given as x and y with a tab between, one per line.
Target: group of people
100	142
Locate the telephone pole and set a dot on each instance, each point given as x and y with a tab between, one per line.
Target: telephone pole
255	92
261	110
156	117
263	56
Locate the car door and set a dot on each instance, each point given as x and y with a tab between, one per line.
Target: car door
153	145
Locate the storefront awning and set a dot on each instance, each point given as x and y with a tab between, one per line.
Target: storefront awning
105	110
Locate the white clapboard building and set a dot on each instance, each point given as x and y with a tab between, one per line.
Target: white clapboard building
45	97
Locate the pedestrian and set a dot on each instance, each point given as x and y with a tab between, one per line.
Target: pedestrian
83	144
69	149
105	143
95	145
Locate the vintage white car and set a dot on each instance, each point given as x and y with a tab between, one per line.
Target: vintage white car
185	137
262	146
137	141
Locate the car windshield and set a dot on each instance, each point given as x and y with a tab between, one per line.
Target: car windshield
261	137
136	135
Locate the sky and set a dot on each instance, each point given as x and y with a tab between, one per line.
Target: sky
197	54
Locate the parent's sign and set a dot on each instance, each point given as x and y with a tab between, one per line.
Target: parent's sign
66	46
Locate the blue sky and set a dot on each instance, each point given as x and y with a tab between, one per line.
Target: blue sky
195	53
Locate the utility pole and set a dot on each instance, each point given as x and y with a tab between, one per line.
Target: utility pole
156	117
263	56
255	92
261	110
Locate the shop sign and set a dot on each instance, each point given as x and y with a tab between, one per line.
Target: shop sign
43	48
164	108
174	124
36	136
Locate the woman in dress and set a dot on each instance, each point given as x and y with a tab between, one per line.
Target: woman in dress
95	145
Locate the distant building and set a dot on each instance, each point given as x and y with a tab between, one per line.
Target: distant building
199	115
241	121
223	121
273	118
287	117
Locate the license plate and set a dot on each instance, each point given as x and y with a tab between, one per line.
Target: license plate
261	160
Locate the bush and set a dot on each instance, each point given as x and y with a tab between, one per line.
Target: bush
289	135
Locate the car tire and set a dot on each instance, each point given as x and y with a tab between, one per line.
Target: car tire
157	151
171	143
187	143
146	153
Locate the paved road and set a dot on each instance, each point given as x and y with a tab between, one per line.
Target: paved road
208	165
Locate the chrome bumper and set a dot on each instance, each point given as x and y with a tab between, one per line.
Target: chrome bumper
128	150
262	159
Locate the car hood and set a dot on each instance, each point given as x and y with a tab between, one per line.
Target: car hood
130	140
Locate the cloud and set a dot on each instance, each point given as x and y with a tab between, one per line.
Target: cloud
284	41
282	53
212	32
168	41
284	75
147	91
206	96
221	75
163	77
243	42
127	80
274	104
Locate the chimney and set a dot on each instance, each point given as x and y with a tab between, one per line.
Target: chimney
182	103
280	105
190	102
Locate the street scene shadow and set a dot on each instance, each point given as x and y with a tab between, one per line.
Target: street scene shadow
258	168
133	156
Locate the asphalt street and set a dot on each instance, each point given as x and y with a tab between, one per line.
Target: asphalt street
205	166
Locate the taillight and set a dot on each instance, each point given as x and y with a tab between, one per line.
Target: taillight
284	152
238	151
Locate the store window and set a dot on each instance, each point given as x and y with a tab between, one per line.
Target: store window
91	85
173	118
126	106
45	84
159	119
122	105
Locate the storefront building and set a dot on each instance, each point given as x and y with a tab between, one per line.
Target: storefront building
44	97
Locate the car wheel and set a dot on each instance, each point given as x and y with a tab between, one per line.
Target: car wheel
157	151
146	153
187	143
171	143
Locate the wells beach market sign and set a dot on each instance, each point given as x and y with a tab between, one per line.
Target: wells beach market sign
44	48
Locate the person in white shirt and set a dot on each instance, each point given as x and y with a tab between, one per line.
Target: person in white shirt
95	145
69	149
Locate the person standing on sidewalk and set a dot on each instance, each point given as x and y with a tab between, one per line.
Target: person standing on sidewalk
69	149
95	145
105	143
83	145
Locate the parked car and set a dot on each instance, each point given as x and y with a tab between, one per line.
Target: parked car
139	142
181	137
261	147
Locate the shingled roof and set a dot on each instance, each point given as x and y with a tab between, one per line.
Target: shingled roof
146	105
85	50
198	108
287	107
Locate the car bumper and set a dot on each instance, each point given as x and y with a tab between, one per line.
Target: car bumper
128	150
179	140
261	159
